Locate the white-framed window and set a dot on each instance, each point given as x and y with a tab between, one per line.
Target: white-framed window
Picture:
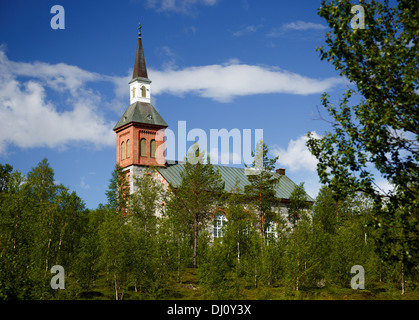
219	221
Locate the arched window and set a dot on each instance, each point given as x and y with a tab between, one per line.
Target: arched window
219	221
128	149
153	148
143	148
123	150
143	91
133	92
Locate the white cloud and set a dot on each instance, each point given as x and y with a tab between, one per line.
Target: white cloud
296	26
225	82
297	156
298	160
246	30
383	186
178	6
28	116
302	25
121	84
300	163
190	30
83	184
168	55
28	97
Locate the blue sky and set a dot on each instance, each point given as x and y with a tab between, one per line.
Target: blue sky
213	63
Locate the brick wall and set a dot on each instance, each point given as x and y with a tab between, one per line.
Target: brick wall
134	133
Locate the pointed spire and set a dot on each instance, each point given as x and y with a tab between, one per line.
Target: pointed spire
140	70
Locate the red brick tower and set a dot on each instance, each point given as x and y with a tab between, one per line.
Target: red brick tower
140	131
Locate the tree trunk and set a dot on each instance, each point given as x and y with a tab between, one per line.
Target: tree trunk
47	255
298	274
238	252
15	231
337	212
261	217
402	279
256	277
49	241
116	286
59	244
380	270
178	260
195	244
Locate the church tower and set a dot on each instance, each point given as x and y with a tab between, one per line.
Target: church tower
140	130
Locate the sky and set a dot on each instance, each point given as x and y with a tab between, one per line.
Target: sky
214	64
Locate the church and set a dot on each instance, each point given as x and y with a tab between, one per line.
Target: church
140	144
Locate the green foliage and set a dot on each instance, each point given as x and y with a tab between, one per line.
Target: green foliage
261	190
298	203
40	226
200	191
88	255
149	257
118	192
380	130
219	274
325	211
301	260
5	171
109	253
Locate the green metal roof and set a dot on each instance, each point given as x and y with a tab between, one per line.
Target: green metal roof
231	176
141	112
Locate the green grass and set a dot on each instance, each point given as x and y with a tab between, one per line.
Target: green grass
189	288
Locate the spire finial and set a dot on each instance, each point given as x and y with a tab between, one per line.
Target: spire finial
139	30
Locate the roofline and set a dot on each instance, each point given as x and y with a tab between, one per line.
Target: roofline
143	124
141	79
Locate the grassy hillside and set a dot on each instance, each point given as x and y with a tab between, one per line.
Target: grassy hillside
188	288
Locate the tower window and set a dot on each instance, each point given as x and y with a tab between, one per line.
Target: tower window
153	148
123	150
143	148
143	91
128	149
133	92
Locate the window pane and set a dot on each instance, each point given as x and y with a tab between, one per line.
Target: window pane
128	149
143	148
153	148
123	151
